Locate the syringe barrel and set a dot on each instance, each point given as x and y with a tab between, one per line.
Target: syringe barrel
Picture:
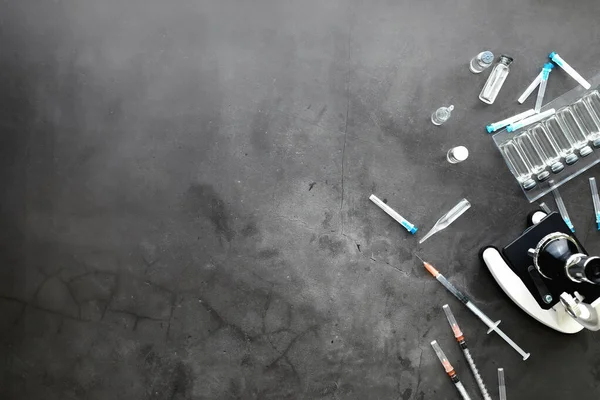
501	384
494	327
595	197
569	70
476	375
530	88
540	97
461	389
507	121
464	299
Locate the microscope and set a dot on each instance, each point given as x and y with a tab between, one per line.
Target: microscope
549	275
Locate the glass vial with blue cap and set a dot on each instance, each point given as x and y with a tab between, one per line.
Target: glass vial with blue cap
495	80
481	62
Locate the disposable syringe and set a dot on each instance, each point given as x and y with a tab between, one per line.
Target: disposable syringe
493	326
505	122
450	370
562	209
390	211
596	200
530	88
530	120
460	338
569	70
542	90
501	384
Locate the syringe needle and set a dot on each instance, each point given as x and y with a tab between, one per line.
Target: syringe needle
595	200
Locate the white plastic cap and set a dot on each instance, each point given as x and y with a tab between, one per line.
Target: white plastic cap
461	153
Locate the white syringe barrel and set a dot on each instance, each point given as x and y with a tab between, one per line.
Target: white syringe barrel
569	70
392	213
531	120
530	88
505	122
494	327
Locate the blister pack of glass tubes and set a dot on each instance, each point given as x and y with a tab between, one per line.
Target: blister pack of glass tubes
544	155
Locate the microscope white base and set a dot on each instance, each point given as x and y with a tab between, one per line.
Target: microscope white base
555	318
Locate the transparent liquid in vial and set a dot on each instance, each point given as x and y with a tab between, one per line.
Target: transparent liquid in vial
592	101
574	131
495	80
561	140
519	166
546	148
531	153
588	123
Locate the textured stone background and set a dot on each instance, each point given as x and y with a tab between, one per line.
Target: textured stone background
185	207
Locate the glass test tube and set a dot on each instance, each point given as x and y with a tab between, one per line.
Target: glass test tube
570	125
518	165
531	154
562	142
547	148
587	121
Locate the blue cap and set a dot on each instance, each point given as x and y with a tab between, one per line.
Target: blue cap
413	230
487	57
509	128
548	65
551	55
598	223
489	128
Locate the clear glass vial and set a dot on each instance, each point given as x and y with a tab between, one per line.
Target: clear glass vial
441	115
573	131
587	121
561	140
547	148
481	61
518	166
532	156
495	80
457	154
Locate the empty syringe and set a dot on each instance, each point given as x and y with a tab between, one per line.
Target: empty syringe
460	338
562	209
596	200
569	70
450	370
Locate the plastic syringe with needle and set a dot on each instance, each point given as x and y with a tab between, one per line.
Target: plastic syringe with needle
460	338
493	326
560	204
450	370
596	200
569	70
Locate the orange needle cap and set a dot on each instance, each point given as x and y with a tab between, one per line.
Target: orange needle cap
431	269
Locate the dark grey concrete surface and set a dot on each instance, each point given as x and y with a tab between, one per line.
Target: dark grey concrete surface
185	207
